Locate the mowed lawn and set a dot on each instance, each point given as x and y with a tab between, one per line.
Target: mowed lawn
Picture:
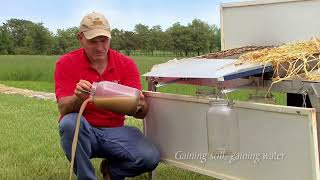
30	146
29	140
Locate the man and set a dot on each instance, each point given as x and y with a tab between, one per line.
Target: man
102	133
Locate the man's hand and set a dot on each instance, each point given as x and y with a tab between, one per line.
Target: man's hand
83	89
73	103
142	108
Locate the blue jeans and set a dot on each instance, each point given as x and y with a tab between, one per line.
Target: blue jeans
128	151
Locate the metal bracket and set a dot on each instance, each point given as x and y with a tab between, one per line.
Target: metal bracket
314	95
315	89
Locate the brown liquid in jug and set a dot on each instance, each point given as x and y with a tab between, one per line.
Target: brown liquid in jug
120	104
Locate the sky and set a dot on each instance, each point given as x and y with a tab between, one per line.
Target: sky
122	14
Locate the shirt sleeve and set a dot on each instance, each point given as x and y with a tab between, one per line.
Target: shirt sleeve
64	81
132	76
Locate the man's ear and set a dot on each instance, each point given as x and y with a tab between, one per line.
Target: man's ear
79	36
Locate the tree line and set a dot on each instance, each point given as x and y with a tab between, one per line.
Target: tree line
18	36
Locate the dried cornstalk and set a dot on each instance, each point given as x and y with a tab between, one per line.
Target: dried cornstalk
289	60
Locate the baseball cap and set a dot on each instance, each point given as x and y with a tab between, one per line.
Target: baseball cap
95	24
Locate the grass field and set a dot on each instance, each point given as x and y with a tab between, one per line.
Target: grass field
30	146
36	73
29	143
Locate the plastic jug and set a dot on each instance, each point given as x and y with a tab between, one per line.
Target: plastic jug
110	96
115	97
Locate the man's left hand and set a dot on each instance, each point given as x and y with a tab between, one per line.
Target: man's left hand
142	107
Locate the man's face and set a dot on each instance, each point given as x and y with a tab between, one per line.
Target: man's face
96	48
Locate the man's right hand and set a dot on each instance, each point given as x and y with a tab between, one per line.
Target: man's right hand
83	89
73	103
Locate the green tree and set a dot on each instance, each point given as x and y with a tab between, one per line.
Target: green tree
28	37
19	30
41	39
128	42
200	35
156	39
6	44
66	40
142	36
217	39
116	41
215	42
181	39
18	36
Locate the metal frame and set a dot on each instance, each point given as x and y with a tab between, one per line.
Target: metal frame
255	3
306	88
151	87
310	88
170	131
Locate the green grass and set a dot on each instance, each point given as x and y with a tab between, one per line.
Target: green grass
27	68
36	73
244	95
30	143
41	68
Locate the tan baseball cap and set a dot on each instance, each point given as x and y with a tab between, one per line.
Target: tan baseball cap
95	24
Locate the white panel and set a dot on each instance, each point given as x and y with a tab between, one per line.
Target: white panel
251	23
168	129
203	68
269	141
